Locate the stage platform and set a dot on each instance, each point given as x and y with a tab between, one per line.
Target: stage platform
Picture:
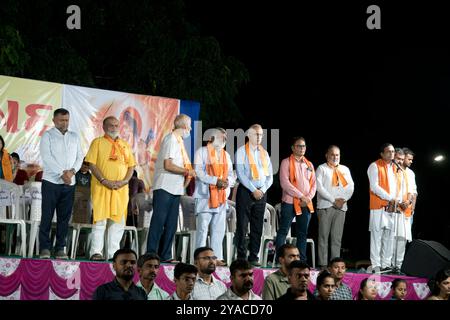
36	279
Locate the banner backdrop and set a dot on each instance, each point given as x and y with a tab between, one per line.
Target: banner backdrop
144	120
26	111
26	108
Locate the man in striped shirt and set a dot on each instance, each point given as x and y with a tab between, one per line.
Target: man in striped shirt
206	286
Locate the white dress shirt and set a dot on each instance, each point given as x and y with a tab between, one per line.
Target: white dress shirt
326	192
173	183
60	152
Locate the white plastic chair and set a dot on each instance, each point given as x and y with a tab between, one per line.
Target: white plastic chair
9	197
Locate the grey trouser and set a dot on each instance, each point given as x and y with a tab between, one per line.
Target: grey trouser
331	224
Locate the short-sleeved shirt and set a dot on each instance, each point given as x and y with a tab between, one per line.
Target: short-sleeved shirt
168	181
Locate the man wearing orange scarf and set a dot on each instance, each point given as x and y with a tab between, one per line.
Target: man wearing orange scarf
112	163
214	178
334	188
384	199
173	172
298	181
61	157
254	171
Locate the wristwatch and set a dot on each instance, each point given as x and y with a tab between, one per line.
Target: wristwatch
73	171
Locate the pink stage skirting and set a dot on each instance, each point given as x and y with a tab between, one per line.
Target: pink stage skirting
35	279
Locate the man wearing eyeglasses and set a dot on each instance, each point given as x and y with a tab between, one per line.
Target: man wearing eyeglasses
122	287
254	171
298	181
241	275
299	275
206	286
184	276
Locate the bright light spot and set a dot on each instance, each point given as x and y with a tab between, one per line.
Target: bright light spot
439	158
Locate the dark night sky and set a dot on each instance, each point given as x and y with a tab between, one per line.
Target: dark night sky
316	71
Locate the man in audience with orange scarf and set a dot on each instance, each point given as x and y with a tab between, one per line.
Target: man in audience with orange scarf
173	172
334	188
298	181
254	171
112	163
384	194
214	178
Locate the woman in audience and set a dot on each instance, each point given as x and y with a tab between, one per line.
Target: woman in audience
367	289
440	286
5	162
325	285
398	289
20	176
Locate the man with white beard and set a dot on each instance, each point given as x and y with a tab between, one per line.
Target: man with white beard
214	172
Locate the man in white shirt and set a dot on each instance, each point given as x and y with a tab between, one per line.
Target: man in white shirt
214	172
409	157
61	157
384	199
184	276
206	286
173	172
334	188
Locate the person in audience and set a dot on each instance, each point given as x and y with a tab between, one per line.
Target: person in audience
184	277
5	163
254	171
214	177
334	188
122	287
440	285
112	163
148	268
325	285
398	289
277	283
337	269
367	289
206	286
173	172
299	277
241	275
61	157
298	181
20	176
83	176
135	186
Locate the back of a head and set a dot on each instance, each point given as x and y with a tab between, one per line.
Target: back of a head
181	268
240	264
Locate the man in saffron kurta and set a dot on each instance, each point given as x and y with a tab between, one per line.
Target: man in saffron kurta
298	181
112	164
384	193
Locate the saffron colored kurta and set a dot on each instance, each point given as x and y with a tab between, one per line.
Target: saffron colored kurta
107	203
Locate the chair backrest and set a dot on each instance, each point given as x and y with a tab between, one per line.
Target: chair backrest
33	189
82	209
143	203
188	209
10	196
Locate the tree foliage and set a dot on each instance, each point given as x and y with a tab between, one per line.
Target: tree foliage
146	47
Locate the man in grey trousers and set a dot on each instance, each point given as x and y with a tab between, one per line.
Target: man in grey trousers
334	188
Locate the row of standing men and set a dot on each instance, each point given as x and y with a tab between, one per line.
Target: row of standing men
392	191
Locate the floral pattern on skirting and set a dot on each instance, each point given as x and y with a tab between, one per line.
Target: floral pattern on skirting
65	269
8	266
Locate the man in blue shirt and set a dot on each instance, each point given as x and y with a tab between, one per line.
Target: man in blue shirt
254	171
